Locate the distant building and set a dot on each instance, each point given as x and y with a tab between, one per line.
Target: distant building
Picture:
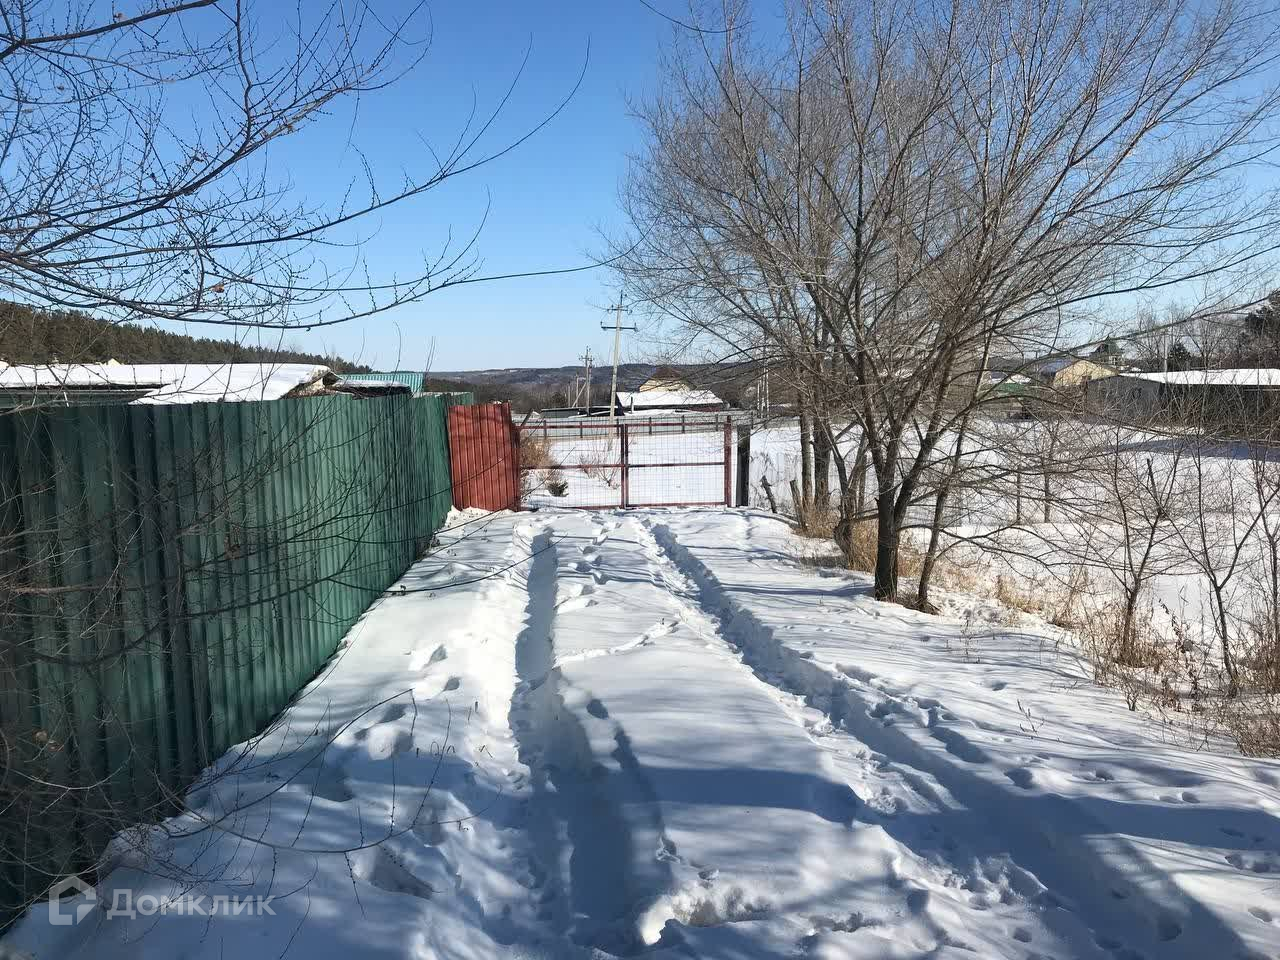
666	390
119	383
1066	373
1243	398
415	380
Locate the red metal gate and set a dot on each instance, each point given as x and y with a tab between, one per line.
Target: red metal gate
674	461
484	457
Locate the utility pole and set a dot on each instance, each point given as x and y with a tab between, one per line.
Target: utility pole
586	359
617	347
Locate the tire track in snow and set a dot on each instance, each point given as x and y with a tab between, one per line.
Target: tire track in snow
1092	905
582	844
910	868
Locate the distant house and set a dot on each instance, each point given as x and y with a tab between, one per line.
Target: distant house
666	390
1066	373
119	383
1238	397
665	378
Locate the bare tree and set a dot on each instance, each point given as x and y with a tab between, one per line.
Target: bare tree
135	149
928	185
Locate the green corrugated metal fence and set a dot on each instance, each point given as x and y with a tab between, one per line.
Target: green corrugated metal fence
169	577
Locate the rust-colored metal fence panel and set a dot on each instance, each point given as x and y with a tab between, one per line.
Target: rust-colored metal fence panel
674	461
484	455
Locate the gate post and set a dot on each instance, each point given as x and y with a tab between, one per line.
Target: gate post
744	466
728	462
626	496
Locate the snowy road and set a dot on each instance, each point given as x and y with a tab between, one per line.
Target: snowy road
584	735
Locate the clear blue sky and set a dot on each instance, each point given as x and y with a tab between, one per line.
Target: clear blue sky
547	197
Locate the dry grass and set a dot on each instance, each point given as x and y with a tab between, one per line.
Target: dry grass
817	522
1260	659
537	454
1253	723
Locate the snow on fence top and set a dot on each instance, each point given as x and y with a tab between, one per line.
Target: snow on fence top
168	382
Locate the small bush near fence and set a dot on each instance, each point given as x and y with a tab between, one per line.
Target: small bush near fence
169	577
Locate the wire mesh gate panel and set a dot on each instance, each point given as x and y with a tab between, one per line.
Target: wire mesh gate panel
636	462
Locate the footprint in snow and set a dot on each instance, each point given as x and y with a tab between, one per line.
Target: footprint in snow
421	661
1252	864
1021	777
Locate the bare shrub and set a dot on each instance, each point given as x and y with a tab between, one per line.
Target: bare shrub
1260	656
1253	723
536	452
602	465
556	483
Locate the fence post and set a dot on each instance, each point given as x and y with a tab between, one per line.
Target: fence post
626	460
728	462
744	466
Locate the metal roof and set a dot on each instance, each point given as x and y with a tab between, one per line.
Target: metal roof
413	379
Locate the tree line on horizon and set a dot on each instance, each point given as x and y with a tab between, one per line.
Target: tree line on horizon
29	335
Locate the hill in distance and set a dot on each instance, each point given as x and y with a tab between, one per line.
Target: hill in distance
28	335
553	386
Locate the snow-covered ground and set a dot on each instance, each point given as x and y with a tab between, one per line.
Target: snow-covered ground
595	734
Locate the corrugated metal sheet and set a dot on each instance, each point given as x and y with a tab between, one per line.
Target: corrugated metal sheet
169	577
414	380
485	457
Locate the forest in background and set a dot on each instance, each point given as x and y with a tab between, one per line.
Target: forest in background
29	335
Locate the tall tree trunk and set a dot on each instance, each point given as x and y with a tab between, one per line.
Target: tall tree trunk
858	484
821	466
804	509
886	573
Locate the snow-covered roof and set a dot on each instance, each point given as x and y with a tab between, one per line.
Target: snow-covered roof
1248	377
667	399
168	382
